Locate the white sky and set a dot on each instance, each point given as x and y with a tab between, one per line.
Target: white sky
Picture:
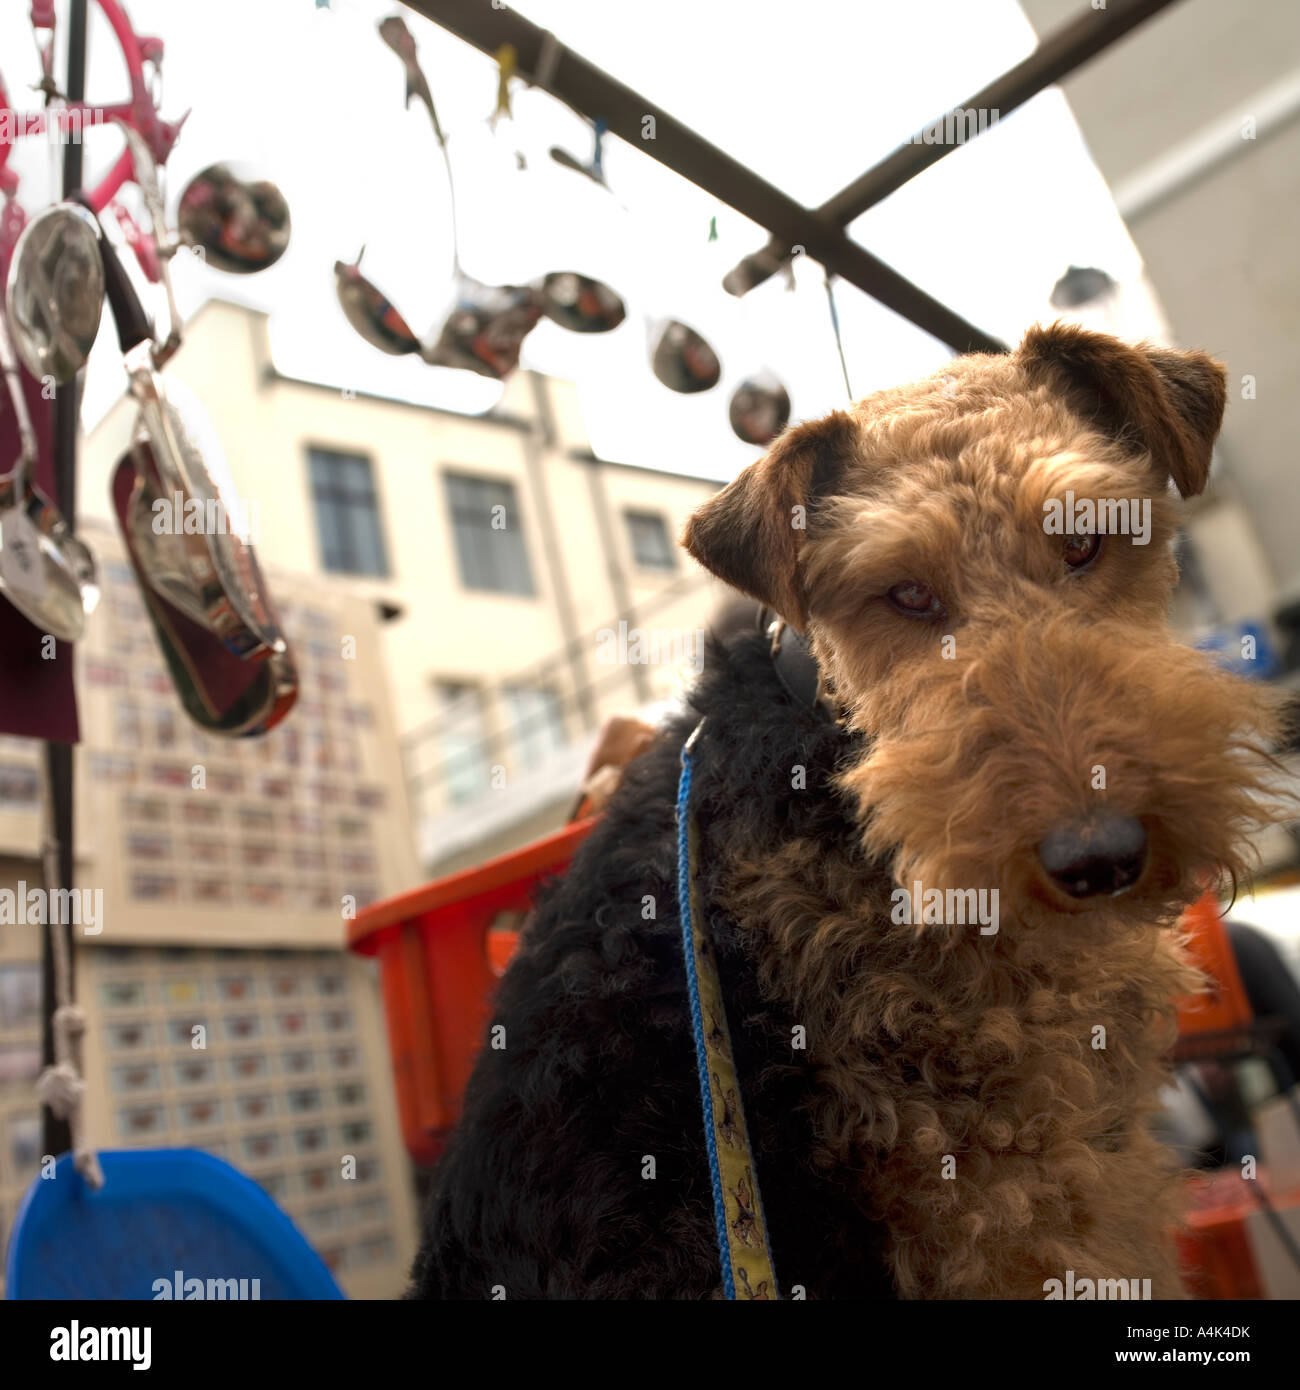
808	96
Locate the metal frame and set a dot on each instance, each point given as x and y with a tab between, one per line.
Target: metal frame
543	61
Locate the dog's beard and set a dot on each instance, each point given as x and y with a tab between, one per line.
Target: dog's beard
985	758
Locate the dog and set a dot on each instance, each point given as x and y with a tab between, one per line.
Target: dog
935	1108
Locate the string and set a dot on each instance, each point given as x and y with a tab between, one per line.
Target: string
839	340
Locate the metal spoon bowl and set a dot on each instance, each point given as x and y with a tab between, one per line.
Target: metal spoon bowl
579	303
60	584
211	573
45	571
371	312
485	328
759	409
220	691
241	222
683	360
54	292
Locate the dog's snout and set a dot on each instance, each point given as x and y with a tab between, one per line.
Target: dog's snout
1100	855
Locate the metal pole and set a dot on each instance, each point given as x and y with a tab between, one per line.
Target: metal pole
543	60
58	756
1060	54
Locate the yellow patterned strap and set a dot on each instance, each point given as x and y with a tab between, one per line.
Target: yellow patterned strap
738	1209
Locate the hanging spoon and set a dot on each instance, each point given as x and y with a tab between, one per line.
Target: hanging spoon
45	571
241	223
485	325
54	292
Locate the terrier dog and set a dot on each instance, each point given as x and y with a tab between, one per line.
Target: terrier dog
937	1108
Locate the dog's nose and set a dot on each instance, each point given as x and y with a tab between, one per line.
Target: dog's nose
1102	854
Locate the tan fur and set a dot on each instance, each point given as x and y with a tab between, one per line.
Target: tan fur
933	1040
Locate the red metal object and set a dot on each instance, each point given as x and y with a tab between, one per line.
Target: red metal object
439	960
75	116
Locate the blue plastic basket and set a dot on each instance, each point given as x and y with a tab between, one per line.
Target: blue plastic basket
160	1212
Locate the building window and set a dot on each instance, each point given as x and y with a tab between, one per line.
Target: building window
347	513
489	538
463	741
534	723
652	548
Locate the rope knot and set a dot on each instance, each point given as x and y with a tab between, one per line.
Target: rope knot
70	1020
61	1089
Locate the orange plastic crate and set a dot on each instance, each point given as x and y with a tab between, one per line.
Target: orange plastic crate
1215	1247
1223	1007
439	962
1218	1261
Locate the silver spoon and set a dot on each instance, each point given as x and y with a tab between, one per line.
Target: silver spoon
45	571
241	223
54	292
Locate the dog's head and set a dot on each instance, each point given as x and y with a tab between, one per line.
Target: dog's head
983	563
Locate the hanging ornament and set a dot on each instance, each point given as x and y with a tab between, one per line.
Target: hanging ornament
760	409
682	357
579	303
507	62
1081	285
595	169
683	361
485	328
54	292
398	37
371	312
241	221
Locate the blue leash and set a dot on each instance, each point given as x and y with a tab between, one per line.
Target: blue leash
743	1248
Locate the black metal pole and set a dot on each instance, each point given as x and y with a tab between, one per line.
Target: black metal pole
543	60
58	756
1060	54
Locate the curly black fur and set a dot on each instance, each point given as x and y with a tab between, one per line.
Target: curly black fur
541	1192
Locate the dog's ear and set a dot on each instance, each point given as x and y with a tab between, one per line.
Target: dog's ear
1155	400
751	532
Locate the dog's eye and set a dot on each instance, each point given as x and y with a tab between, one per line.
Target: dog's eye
1079	551
915	600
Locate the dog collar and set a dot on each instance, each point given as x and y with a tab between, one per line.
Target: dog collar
796	667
